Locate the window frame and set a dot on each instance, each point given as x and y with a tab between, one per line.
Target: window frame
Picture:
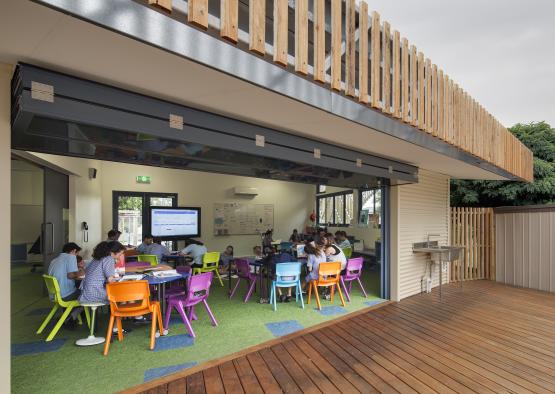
333	195
375	189
146	196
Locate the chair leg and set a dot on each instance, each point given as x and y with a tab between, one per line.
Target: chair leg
300	293
109	335
210	314
317	295
235	288
120	329
309	293
274	293
362	288
347	295
48	318
332	291
251	289
340	295
168	315
185	319
159	315
87	316
153	328
219	277
59	324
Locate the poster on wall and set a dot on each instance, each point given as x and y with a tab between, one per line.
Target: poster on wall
242	219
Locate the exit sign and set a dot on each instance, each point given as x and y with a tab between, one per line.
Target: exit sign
143	179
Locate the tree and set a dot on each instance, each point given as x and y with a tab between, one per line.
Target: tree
540	138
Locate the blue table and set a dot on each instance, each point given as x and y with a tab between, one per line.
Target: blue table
160	284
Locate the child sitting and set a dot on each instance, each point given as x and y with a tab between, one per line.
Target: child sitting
226	258
316	256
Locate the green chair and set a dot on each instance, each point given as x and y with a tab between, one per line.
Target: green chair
347	252
55	295
148	258
210	262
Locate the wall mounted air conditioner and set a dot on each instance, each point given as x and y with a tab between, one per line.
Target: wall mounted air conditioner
245	191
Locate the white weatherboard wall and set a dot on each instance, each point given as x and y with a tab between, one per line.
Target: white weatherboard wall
525	249
417	210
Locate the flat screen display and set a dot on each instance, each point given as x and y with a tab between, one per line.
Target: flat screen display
175	222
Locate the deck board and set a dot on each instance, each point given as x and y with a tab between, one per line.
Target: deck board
485	337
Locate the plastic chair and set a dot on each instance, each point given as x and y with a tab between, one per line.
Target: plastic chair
130	299
348	252
328	276
176	287
198	288
287	275
54	292
353	271
149	258
130	252
244	273
210	263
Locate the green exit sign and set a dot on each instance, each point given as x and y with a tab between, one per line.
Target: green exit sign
143	179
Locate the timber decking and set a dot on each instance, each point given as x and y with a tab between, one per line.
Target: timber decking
485	337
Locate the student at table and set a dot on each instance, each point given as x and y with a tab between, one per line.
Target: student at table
342	240
320	235
226	257
257	251
194	249
334	252
143	247
156	248
315	256
64	268
101	270
113	235
295	237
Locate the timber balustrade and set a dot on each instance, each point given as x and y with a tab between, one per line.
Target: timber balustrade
389	74
473	228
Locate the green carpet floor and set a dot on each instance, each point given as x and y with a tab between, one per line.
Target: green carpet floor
61	367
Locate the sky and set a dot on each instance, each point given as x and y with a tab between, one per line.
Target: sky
502	52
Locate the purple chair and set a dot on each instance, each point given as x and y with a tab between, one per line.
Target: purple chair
198	287
244	273
353	271
176	287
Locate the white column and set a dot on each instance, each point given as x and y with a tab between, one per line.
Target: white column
394	207
5	229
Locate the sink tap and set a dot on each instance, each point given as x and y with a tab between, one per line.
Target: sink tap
428	238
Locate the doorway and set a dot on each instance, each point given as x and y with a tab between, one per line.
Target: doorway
131	213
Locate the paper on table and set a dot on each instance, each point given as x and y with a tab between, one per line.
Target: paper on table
165	273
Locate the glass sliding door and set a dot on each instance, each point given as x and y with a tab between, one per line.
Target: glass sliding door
131	213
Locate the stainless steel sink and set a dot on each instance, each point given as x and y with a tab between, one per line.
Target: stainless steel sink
442	253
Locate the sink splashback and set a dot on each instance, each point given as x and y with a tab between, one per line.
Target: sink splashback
419	245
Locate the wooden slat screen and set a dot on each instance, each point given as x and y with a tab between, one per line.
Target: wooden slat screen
392	76
474	229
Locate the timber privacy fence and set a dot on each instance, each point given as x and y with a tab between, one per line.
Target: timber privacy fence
474	228
339	44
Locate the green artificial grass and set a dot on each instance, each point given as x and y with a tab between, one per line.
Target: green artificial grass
72	369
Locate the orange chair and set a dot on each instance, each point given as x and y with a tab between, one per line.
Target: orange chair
130	299
328	276
130	252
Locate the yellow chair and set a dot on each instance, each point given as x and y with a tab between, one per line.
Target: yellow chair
148	258
54	292
210	262
348	252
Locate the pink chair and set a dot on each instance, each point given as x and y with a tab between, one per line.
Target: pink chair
244	273
198	287
353	271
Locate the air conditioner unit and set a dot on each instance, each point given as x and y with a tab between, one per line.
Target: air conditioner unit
245	191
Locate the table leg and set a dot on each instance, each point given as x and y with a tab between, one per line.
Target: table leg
91	339
229	276
162	290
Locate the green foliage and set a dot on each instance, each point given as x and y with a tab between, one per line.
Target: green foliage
130	203
540	138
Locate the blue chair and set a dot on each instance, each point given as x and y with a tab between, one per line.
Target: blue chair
287	275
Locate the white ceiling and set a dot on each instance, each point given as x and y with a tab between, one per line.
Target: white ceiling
44	37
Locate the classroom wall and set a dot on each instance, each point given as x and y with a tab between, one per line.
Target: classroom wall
85	200
27	183
5	233
293	202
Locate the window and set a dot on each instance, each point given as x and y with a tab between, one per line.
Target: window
371	201
335	209
130	213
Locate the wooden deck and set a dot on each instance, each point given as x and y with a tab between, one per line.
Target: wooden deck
486	338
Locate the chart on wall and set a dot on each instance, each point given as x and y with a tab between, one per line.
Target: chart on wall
242	219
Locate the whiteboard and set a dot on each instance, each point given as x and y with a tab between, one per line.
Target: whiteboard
242	219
